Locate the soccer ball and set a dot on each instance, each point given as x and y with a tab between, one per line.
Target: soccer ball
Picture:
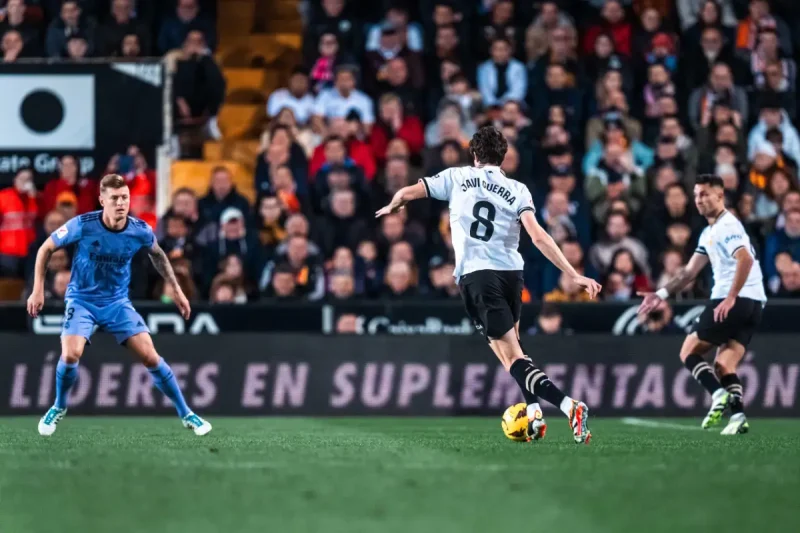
515	422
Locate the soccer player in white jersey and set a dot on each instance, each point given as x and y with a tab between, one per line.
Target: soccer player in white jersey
737	301
486	212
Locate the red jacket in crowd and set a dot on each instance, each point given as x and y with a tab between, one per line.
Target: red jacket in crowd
357	150
85	189
621	33
17	218
411	131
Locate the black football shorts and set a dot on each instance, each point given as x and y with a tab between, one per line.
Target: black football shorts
493	299
739	325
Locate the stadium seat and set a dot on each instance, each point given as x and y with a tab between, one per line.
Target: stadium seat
196	175
238	121
11	289
243	152
251	85
235	17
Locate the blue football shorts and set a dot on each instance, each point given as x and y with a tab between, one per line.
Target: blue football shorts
119	319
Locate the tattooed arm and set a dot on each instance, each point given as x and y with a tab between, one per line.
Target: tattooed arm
164	267
36	299
686	274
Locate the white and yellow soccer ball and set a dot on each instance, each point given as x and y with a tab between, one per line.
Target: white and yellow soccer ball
515	422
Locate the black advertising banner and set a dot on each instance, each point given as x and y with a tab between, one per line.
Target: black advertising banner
250	374
381	318
88	110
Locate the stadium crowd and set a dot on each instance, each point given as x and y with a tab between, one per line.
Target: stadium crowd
611	108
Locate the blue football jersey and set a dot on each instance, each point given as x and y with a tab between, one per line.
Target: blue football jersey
101	262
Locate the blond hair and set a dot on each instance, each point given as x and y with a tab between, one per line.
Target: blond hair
112	181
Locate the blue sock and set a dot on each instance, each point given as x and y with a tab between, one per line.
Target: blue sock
165	381
66	376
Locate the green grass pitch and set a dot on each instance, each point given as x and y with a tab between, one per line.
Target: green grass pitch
149	475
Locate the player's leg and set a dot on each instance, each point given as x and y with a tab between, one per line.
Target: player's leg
78	326
529	376
728	358
537	427
141	344
692	355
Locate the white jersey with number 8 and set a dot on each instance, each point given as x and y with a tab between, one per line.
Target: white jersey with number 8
485	207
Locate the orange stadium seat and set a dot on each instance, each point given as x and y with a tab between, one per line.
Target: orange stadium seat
237	121
11	289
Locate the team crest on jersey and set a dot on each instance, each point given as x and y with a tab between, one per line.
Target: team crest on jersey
62	232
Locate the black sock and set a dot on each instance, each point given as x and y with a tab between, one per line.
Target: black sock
734	387
530	397
701	371
530	378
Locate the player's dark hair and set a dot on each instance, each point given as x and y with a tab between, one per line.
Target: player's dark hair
112	181
710	179
488	146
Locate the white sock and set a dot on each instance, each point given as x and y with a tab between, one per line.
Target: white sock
566	405
532	408
718	394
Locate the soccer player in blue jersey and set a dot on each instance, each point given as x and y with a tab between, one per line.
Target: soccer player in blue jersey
105	242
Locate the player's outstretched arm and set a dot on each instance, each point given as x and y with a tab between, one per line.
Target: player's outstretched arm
684	276
545	243
36	299
164	267
401	198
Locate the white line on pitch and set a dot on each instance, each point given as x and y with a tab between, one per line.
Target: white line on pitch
641	422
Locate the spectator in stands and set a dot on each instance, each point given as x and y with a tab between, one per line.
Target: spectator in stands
339	100
198	86
185	205
708	12
233	239
442	283
59	286
77	47
341	287
334	153
121	23
604	58
560	93
305	267
393	123
15	20
617	235
613	22
398	17
720	87
701	56
282	151
327	60
341	226
52	221
232	273
71	22
562	220
130	47
84	189
13	47
447	45
773	116
177	241
176	29
502	77
270	221
500	24
760	18
283	285
616	176
633	275
295	97
574	253
567	291
550	322
334	17
768	53
391	46
768	201
659	84
782	252
450	125
222	194
399	282
18	213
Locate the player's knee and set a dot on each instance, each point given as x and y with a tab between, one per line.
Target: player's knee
722	367
150	359
71	357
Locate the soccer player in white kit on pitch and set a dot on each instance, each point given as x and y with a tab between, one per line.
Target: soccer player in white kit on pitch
486	212
732	316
